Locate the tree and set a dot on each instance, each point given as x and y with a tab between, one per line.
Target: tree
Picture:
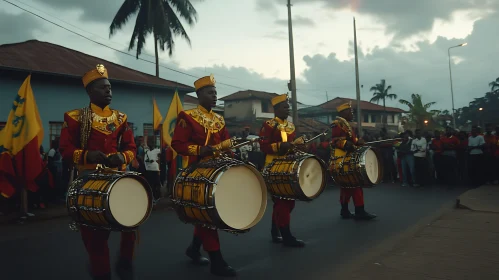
418	112
381	93
494	85
157	17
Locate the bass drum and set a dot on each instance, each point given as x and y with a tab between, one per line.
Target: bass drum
110	200
220	193
296	177
360	168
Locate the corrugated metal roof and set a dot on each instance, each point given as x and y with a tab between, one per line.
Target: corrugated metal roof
364	105
50	58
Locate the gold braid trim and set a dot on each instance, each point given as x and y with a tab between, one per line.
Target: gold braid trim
77	156
275	147
224	145
193	150
85	120
129	156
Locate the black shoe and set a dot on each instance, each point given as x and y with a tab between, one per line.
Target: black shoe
345	213
276	235
124	269
219	267
289	240
361	214
193	252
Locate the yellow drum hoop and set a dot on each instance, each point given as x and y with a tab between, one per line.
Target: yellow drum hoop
298	157
74	192
213	179
359	167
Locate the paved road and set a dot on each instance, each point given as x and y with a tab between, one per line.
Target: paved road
50	251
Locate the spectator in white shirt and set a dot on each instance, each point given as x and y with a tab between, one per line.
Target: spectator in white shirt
421	165
151	162
476	144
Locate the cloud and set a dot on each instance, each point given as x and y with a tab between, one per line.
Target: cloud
92	10
278	35
297	21
425	71
25	27
404	18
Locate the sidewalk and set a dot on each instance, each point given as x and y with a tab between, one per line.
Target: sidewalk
60	211
455	244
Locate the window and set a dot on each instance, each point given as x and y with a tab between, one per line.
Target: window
267	107
148	131
55	130
2	125
373	118
366	118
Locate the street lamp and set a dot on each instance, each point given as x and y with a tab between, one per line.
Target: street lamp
451	89
425	121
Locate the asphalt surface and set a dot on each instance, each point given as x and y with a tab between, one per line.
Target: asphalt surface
49	250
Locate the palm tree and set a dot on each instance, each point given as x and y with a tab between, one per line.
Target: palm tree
494	85
156	17
381	93
418	112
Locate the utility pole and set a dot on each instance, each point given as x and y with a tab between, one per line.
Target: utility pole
327	97
359	115
292	82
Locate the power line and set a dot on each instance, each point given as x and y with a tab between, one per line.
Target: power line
104	45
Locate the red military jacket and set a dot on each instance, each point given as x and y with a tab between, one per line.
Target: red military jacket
274	131
108	126
196	128
342	132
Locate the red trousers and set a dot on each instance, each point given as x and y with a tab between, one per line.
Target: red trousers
356	193
281	215
98	251
209	237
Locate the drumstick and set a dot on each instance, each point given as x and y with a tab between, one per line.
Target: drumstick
381	141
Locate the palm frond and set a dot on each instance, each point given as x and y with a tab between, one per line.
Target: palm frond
185	9
127	10
407	103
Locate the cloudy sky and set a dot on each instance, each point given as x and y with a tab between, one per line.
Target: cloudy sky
244	44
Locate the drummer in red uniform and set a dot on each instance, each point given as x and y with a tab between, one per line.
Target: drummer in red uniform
99	135
278	134
344	138
197	130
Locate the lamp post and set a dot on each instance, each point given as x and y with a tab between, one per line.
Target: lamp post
451	89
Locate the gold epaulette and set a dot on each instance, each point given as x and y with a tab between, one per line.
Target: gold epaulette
74	114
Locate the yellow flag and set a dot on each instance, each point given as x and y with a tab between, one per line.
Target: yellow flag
170	122
156	115
23	123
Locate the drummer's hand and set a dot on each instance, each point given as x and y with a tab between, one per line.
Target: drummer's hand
284	147
361	142
349	146
96	157
206	151
116	160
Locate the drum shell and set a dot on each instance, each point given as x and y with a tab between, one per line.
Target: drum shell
87	200
282	177
342	173
194	193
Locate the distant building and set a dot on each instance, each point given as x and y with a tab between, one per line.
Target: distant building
248	109
56	82
371	113
191	102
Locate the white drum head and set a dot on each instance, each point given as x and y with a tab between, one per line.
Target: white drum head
240	197
311	177
128	201
372	168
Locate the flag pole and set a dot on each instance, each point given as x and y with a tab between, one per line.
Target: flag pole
359	114
24	191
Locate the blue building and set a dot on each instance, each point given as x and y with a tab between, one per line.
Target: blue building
56	81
